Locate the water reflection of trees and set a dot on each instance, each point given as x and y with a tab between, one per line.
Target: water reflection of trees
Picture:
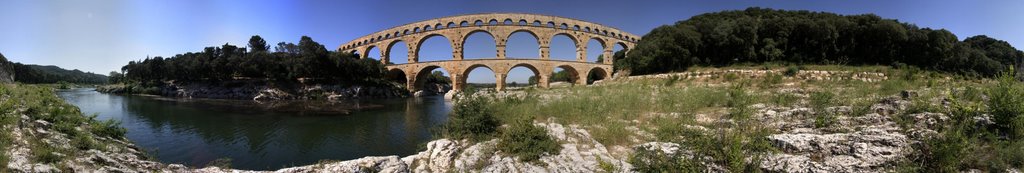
294	137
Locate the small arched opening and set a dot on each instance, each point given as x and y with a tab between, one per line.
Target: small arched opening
563	75
596	75
433	80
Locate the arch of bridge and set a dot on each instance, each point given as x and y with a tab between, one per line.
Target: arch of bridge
459	70
457	28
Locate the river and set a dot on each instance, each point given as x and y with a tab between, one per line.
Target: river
267	136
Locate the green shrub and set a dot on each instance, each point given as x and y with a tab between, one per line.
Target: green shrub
44	153
108	128
526	141
819	102
1006	104
654	161
731	149
471	118
770	80
738	102
731	76
85	142
5	141
672	80
792	71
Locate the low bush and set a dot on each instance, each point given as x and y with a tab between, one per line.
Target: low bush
964	144
729	77
1006	104
108	128
44	153
654	161
471	118
820	101
85	142
526	141
738	102
792	71
770	80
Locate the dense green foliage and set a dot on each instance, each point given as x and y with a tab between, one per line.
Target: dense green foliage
757	35
308	59
438	77
471	118
37	74
526	141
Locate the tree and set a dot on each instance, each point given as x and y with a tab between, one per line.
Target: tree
308	59
287	48
115	77
257	44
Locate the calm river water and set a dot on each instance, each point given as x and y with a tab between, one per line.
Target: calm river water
265	136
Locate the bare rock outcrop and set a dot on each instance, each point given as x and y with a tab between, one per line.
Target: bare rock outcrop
856	143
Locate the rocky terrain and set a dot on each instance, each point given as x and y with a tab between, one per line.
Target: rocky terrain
803	136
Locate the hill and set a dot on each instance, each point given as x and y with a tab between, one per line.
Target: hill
37	74
44	74
758	35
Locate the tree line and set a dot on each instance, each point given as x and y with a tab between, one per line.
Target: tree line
39	74
287	63
758	35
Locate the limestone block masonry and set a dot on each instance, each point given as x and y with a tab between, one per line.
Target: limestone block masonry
500	26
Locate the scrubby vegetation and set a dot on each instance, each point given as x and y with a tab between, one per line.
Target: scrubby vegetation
42	104
526	141
471	118
758	35
967	141
716	119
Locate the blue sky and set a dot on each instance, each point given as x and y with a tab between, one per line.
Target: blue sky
102	35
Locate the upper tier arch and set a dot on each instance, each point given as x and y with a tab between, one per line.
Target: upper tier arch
500	26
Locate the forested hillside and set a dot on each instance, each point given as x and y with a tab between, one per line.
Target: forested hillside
758	35
39	74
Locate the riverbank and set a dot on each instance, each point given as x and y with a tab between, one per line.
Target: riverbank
732	121
261	90
42	133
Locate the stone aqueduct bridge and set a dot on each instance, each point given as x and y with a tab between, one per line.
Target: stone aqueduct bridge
500	26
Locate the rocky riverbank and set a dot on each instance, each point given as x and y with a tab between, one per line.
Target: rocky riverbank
261	90
651	123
